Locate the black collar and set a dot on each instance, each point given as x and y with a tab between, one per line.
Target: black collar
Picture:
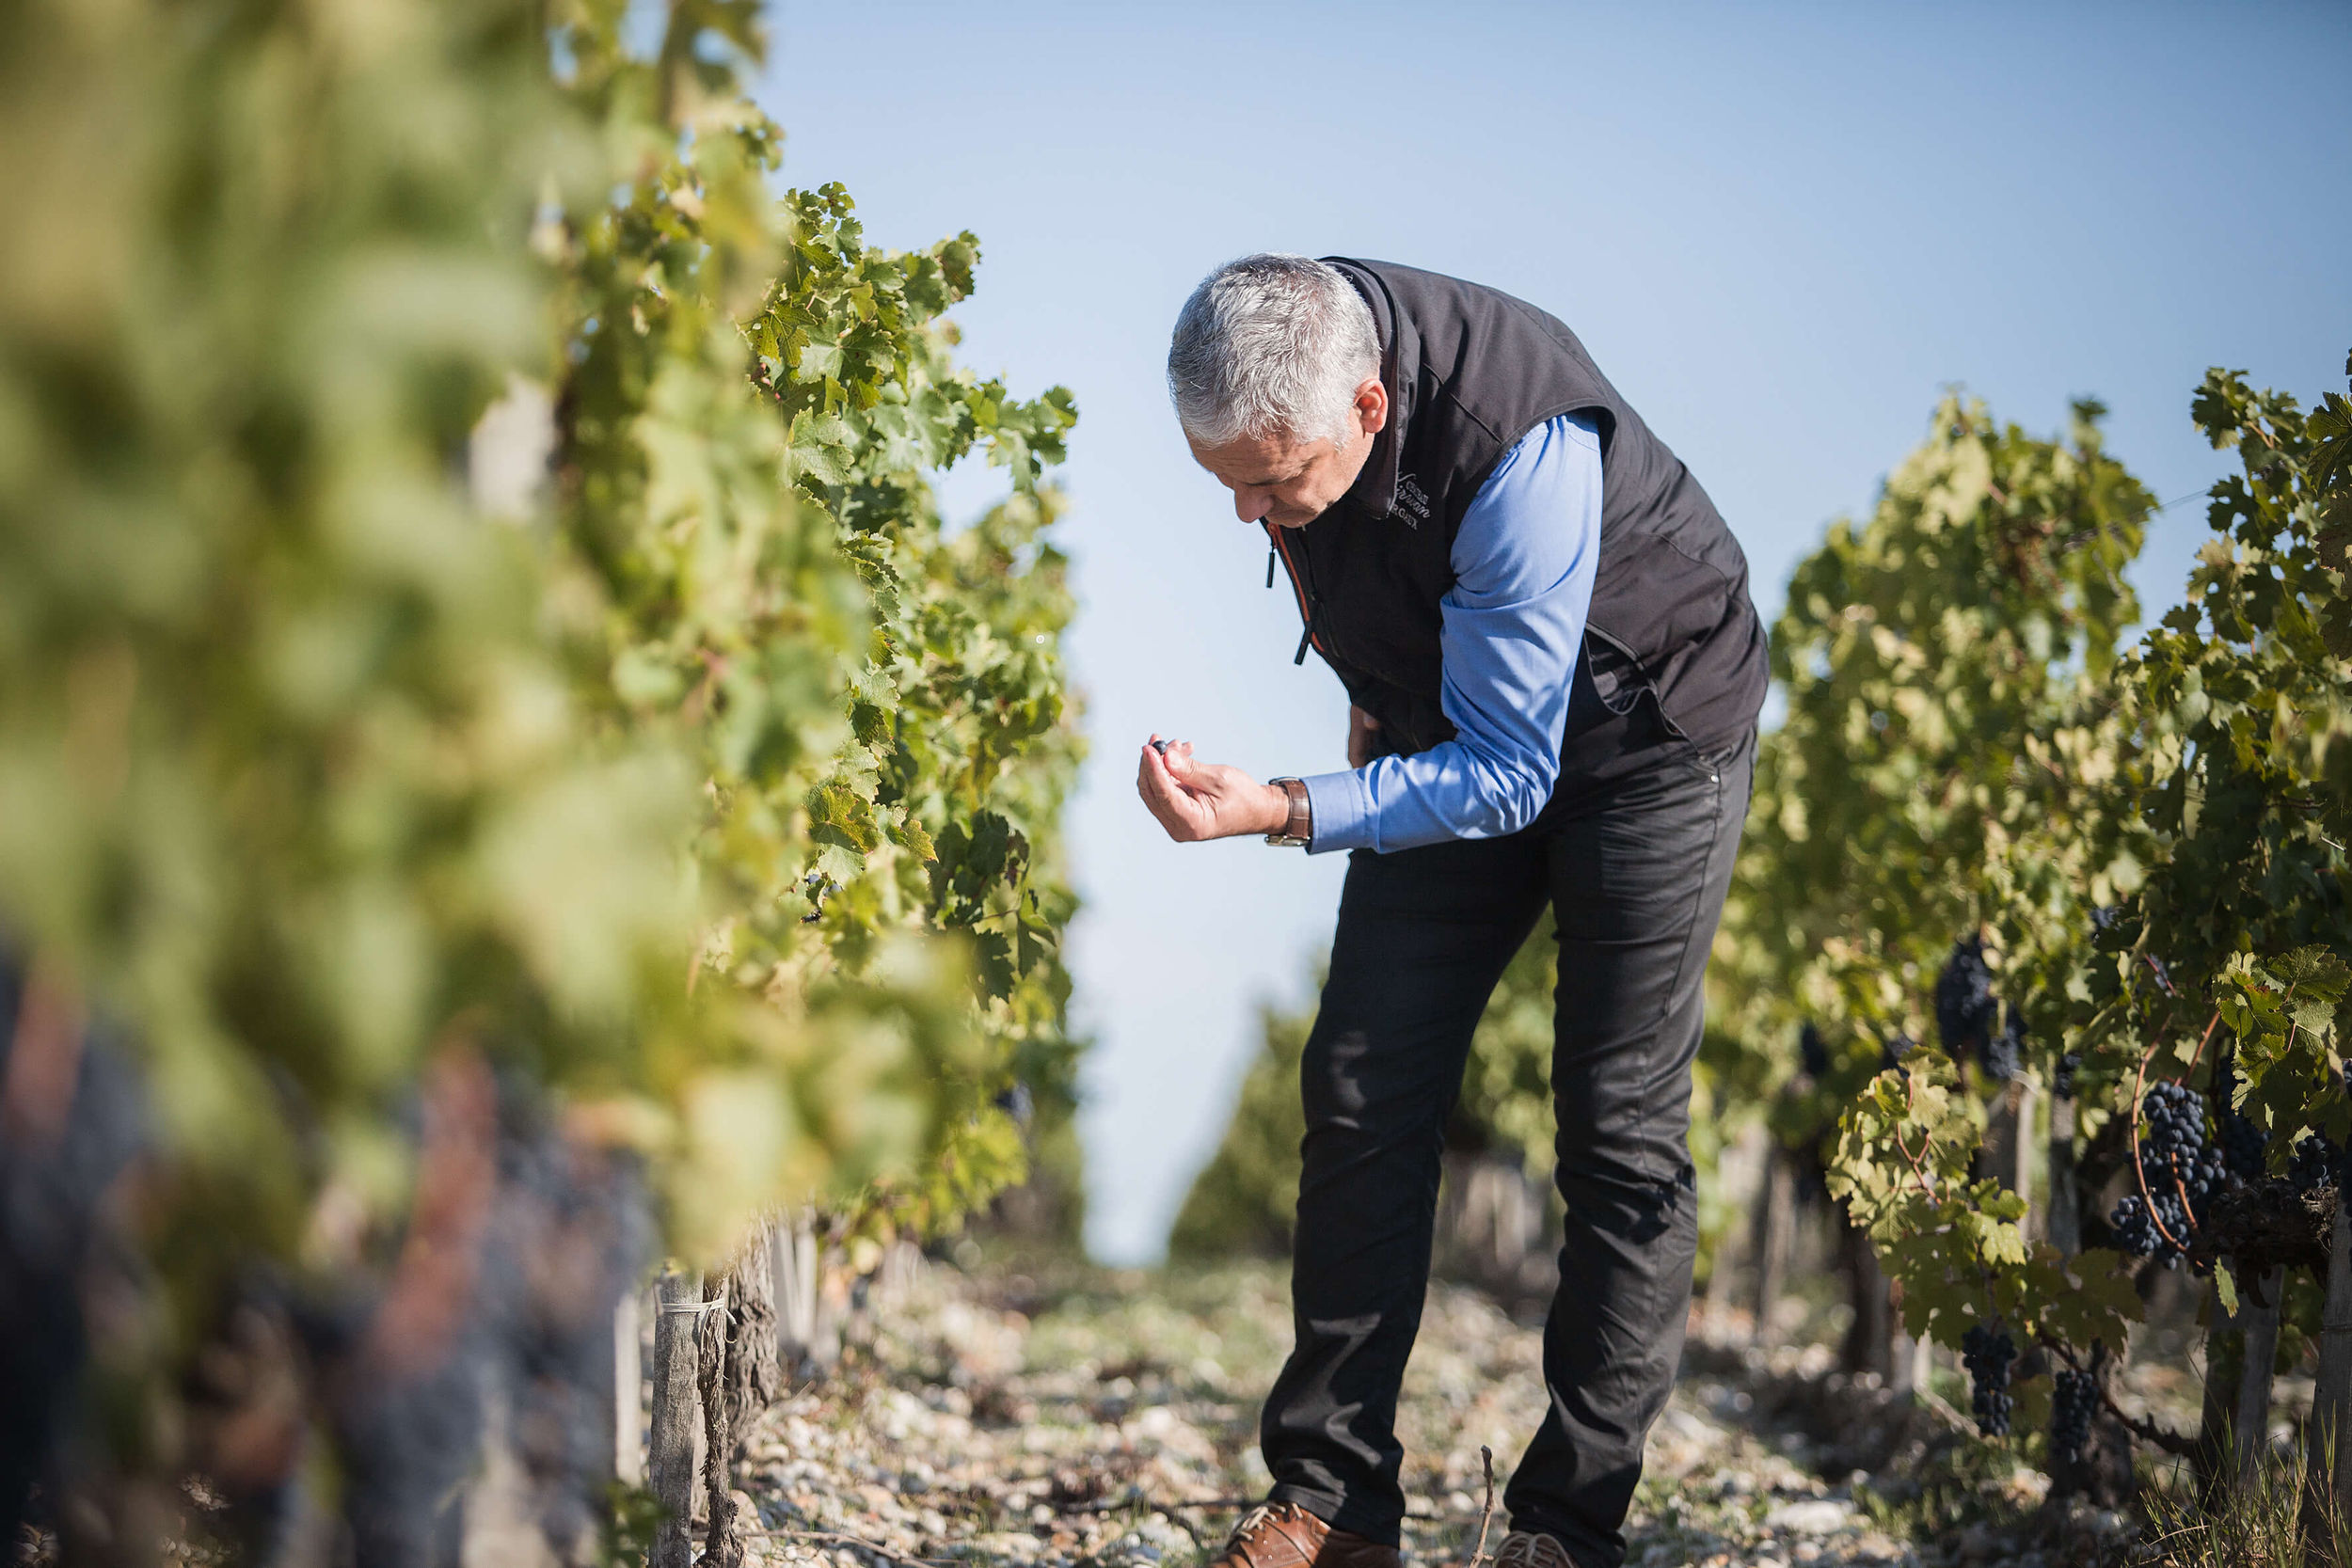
1375	490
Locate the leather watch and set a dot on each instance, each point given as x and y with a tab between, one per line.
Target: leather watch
1298	829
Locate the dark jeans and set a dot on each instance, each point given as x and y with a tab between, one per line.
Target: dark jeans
1635	869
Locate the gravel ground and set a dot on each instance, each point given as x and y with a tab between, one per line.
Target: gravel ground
1107	1420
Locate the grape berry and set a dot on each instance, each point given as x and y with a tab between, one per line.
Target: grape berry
1987	1352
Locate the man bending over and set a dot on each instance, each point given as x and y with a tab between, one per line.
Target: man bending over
1554	672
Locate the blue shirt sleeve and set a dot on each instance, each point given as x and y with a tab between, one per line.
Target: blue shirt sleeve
1513	627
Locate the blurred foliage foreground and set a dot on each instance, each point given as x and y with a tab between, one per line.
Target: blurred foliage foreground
500	759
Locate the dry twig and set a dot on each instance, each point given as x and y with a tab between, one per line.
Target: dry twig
1486	1513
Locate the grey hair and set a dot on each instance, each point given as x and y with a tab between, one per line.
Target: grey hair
1271	344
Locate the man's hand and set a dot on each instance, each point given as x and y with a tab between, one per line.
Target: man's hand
1362	729
1197	801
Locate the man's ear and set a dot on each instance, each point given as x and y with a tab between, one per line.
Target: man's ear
1372	405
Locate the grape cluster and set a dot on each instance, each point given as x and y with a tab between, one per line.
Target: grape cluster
1987	1352
2062	1085
2073	1403
1964	999
2104	919
2172	1138
2317	1162
2176	1160
2136	1232
2002	1055
2242	1145
1813	1052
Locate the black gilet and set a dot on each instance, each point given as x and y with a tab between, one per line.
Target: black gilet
1469	371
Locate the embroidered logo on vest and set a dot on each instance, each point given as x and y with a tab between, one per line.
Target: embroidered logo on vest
1413	502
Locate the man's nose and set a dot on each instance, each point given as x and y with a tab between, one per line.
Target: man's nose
1250	504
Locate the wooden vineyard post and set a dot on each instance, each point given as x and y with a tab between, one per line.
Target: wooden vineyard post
2062	1224
2327	1478
2251	1426
629	1438
2225	1344
2021	1176
1738	1172
721	1547
1870	1345
677	1413
1776	1218
798	1265
2239	1347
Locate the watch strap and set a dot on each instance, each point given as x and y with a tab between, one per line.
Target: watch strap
1298	829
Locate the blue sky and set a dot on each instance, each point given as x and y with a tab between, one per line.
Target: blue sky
1782	232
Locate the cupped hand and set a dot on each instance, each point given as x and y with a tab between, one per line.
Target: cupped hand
1198	801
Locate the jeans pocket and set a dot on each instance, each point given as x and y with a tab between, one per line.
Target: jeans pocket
1708	765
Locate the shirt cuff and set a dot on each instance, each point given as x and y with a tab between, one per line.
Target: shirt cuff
1342	810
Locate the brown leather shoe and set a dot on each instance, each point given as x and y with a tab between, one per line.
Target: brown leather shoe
1284	1535
1523	1549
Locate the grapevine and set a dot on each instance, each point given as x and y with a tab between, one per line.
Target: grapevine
2170	863
664	830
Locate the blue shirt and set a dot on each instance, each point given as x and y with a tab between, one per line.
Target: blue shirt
1512	628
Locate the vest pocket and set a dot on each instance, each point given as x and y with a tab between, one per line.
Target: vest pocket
1616	677
1621	683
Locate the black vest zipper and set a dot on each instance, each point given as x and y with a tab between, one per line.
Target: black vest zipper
1303	586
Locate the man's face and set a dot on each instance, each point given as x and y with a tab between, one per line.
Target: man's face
1290	483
